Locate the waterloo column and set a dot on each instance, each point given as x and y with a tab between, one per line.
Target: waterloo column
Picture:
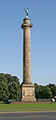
27	88
26	51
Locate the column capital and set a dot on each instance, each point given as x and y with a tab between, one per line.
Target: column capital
26	23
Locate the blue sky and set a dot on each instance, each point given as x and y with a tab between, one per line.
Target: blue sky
43	39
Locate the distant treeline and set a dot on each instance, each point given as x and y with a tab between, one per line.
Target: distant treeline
10	89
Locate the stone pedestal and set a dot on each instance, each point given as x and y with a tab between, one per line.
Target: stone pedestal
27	88
28	92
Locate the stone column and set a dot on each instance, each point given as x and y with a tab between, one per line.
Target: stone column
26	51
27	88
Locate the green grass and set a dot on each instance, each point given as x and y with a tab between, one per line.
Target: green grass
27	107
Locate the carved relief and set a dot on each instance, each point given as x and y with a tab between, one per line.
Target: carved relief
28	92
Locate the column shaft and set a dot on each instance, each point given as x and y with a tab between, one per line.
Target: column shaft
26	55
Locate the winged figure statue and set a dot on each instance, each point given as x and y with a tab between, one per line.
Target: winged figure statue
26	11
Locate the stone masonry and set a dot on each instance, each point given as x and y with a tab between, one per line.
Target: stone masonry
27	88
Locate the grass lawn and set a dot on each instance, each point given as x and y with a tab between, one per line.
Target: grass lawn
27	107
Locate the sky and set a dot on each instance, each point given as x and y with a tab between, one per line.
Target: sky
43	39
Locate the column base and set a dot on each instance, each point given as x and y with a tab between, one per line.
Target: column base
28	92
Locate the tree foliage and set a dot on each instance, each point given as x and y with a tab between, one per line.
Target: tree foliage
4	92
14	91
9	87
53	89
42	92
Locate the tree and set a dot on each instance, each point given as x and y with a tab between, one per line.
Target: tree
37	88
4	93
13	86
9	87
15	79
53	89
9	78
14	91
43	92
3	78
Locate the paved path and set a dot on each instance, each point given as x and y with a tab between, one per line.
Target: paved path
28	116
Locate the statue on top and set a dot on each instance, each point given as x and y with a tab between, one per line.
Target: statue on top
26	11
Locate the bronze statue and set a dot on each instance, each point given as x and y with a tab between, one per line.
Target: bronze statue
26	11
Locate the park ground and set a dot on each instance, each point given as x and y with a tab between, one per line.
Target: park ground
33	107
